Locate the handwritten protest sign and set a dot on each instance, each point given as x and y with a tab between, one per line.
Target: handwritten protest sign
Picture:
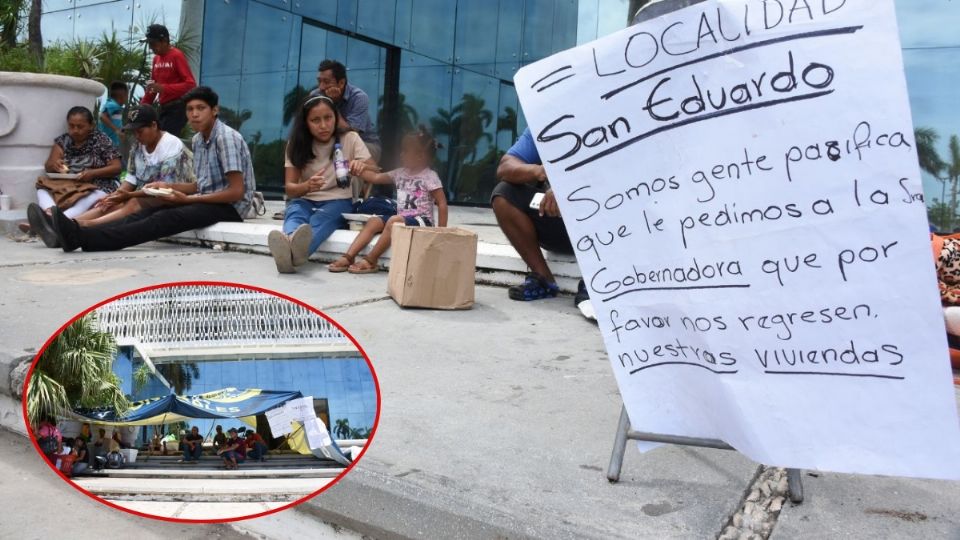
300	409
740	182
279	420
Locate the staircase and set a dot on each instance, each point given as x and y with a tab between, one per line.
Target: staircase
281	478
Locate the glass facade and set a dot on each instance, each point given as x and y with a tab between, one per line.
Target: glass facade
444	63
342	388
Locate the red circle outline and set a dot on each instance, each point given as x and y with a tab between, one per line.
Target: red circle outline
376	381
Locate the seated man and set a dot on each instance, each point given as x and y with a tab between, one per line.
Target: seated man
522	178
192	446
256	446
219	438
223	191
352	103
233	452
157	156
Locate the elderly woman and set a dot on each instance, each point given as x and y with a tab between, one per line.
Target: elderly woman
92	160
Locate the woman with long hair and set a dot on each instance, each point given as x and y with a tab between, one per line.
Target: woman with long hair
316	202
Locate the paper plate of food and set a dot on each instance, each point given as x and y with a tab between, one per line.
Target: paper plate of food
158	192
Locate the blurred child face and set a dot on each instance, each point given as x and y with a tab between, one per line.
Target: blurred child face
120	96
322	121
413	153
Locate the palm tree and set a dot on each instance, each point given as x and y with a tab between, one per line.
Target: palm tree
234	118
508	122
952	168
180	376
465	124
930	160
342	428
76	370
292	101
34	36
407	117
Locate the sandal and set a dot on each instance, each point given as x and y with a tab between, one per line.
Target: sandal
364	266
337	266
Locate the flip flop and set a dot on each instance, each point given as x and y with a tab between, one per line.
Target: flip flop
336	267
364	266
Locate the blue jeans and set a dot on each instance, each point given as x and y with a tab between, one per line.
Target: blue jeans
324	217
258	451
189	454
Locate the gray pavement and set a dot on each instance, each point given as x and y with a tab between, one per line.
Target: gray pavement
495	422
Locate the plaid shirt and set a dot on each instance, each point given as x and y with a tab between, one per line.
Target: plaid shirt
224	152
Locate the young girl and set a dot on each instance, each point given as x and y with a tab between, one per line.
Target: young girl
418	191
316	203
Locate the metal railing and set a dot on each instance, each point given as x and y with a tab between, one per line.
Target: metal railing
214	316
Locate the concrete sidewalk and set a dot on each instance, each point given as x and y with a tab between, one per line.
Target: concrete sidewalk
495	422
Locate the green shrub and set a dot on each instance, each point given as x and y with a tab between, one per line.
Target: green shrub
18	59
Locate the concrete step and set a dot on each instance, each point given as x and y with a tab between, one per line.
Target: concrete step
201	489
497	263
243	472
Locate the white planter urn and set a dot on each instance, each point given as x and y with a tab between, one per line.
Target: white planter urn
33	112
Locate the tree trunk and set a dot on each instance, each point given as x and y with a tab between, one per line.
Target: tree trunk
34	37
953	202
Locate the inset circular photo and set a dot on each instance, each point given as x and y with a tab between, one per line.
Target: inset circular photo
201	402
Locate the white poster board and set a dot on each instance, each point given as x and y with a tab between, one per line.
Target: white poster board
279	420
300	408
740	183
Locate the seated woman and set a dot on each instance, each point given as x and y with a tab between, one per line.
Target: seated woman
81	463
82	151
316	203
157	157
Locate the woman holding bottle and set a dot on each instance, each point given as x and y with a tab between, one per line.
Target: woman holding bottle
316	181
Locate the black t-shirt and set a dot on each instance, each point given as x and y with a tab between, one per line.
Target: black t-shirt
192	437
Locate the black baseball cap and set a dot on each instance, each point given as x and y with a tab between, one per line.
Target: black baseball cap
156	32
141	116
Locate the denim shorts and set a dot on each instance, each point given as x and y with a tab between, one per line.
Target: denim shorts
417	221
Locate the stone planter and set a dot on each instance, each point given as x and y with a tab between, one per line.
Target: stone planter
33	111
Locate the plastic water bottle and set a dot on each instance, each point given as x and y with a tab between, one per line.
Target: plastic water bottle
341	167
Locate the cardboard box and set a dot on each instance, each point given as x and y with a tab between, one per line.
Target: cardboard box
433	267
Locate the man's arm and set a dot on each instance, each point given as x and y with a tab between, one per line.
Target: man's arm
232	194
516	171
359	111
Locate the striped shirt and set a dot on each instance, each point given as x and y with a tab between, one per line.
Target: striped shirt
224	152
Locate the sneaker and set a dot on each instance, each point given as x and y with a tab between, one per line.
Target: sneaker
300	244
41	225
582	301
535	287
279	246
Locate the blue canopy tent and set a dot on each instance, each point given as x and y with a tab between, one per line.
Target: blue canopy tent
243	404
225	403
